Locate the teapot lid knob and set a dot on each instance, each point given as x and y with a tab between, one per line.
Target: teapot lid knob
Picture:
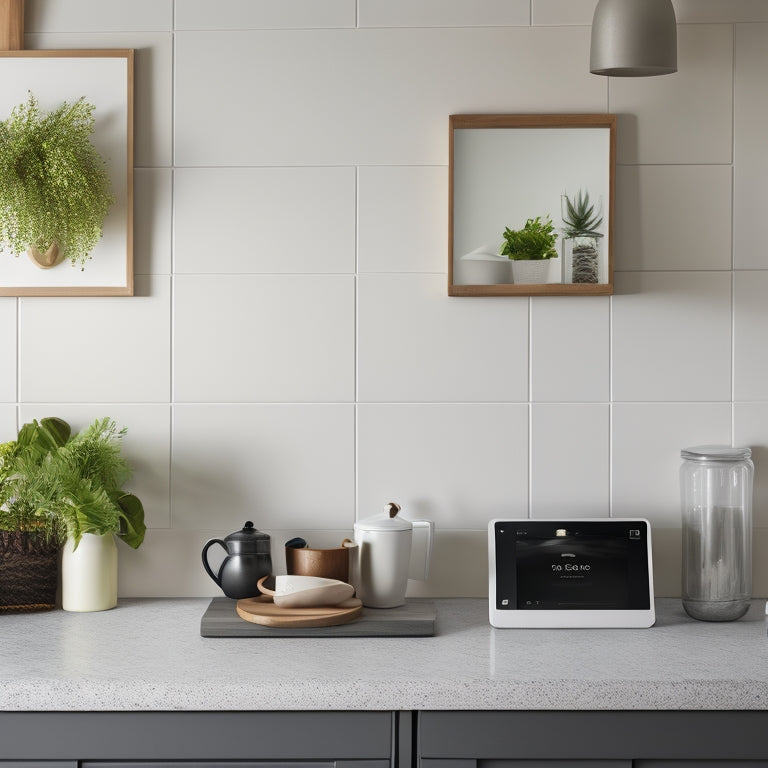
248	525
392	508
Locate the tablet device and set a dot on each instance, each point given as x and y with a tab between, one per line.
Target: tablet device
589	572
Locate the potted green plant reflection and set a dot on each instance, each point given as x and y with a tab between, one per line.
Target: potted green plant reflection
530	249
55	191
580	226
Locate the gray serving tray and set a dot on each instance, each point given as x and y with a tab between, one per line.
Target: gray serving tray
414	619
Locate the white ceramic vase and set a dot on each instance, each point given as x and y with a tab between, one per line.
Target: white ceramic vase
89	574
530	271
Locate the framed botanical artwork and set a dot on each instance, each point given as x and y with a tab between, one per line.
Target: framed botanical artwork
531	205
66	173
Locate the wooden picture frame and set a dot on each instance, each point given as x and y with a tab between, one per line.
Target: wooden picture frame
506	169
105	79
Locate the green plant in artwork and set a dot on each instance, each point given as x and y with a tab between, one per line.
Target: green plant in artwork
535	241
55	190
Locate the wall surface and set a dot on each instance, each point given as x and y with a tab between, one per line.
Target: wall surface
292	357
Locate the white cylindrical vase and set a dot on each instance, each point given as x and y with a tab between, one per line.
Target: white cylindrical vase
89	574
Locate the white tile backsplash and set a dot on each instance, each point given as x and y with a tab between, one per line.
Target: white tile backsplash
368	96
280	466
252	338
671	336
562	11
646	440
8	422
101	16
264	14
685	117
570	349
570	443
694	234
457	465
97	349
750	427
750	163
281	220
152	220
750	319
292	356
415	343
402	219
443	13
8	347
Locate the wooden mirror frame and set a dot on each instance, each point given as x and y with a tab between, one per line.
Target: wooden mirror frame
554	122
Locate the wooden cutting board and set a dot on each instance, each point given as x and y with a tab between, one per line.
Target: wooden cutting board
261	610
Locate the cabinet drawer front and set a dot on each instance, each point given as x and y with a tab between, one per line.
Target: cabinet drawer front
196	736
222	764
38	764
427	763
702	736
701	764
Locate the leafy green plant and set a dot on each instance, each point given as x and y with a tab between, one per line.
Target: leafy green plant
579	218
55	191
69	485
535	241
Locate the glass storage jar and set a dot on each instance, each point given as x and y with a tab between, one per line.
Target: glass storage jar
716	497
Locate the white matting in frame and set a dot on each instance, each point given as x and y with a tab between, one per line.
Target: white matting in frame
105	79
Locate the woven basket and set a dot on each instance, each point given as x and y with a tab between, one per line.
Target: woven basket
28	572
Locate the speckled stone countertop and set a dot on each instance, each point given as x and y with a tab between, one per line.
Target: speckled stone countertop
149	655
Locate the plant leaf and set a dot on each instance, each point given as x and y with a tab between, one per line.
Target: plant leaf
132	527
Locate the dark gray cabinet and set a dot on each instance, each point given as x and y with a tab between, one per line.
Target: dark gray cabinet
479	739
202	739
627	739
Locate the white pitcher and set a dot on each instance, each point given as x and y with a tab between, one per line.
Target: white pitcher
386	557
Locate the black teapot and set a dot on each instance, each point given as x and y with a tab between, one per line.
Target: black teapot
248	559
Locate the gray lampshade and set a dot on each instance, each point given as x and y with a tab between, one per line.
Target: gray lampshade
634	38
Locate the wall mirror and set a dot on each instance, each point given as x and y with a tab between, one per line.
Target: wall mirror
523	186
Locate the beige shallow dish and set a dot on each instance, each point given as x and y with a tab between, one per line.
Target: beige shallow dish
306	591
261	610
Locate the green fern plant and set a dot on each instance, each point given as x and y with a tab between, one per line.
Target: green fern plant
69	485
55	191
579	218
536	240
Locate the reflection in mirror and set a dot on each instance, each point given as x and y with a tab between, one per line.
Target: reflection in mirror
531	209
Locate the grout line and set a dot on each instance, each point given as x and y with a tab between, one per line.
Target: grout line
610	406
172	276
356	348
18	364
530	407
733	235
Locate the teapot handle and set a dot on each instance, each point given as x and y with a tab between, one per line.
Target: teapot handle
205	558
421	549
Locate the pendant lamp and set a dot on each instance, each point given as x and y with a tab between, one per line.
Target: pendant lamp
633	38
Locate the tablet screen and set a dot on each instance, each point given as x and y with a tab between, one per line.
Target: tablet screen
578	565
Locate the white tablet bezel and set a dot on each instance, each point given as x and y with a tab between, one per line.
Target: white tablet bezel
575	619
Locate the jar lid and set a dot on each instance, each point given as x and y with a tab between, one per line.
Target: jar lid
716	453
